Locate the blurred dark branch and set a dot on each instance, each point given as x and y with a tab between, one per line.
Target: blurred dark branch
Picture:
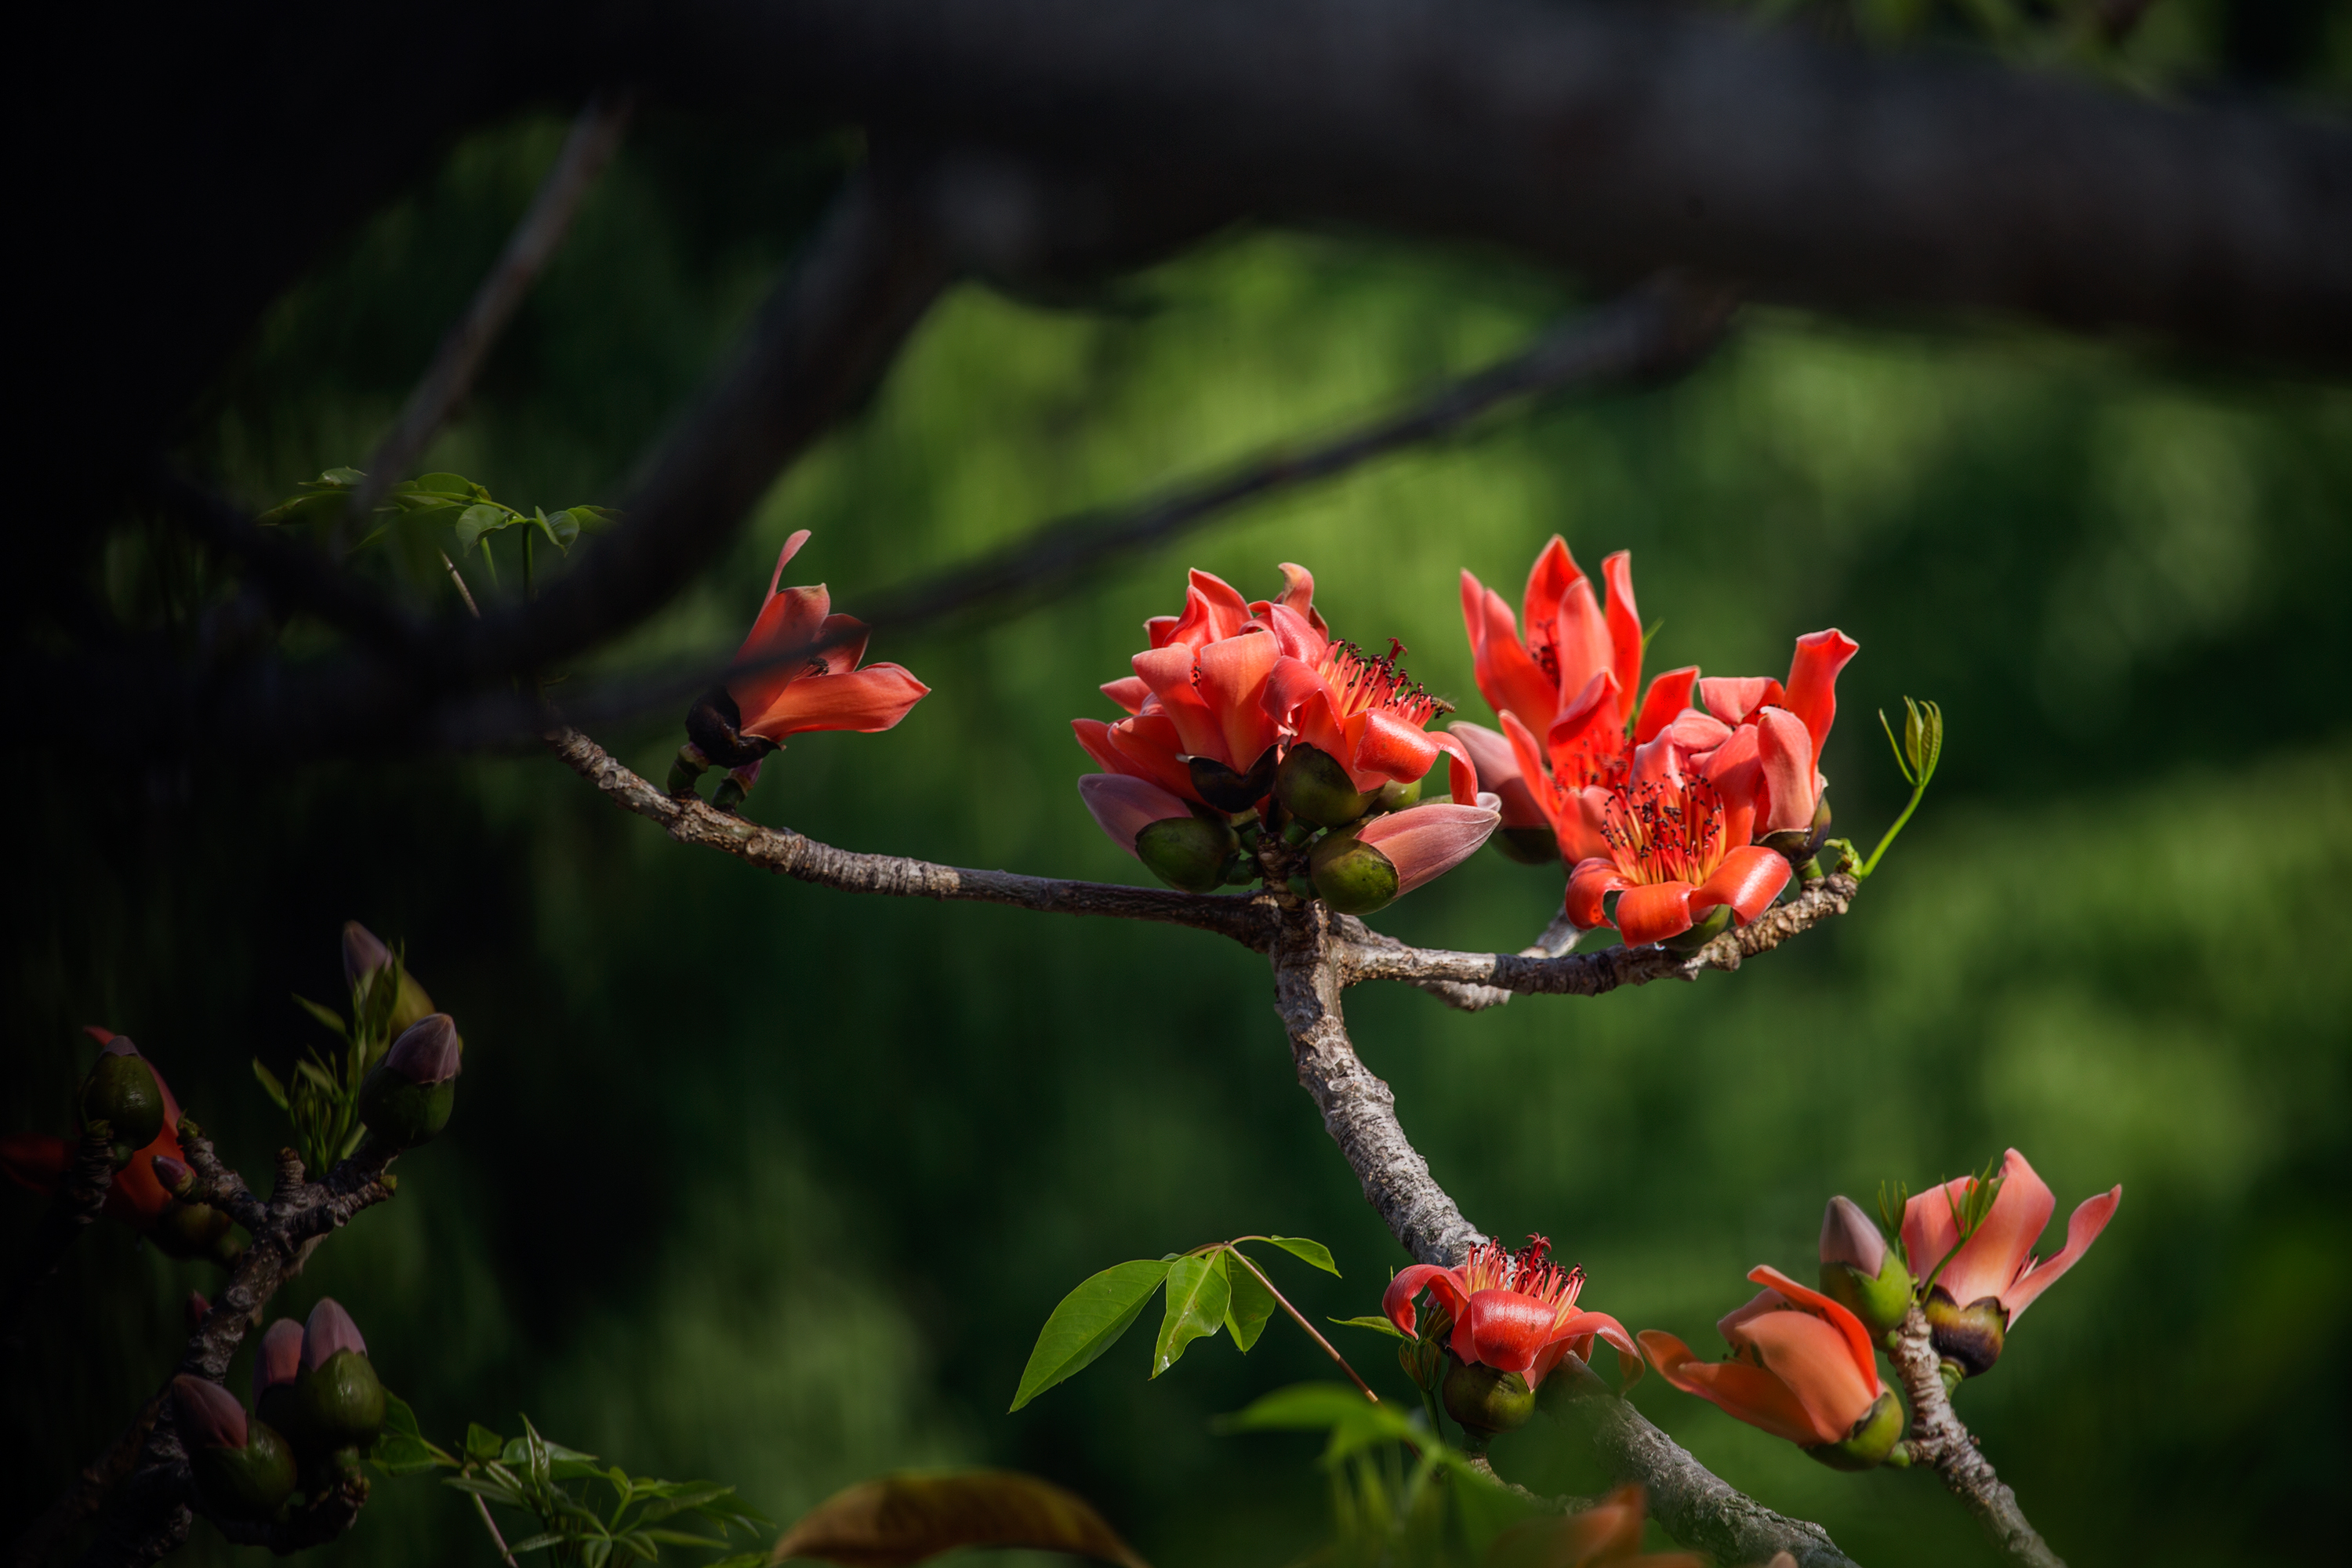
81	1193
1939	1441
595	135
151	1512
89	1491
1650	332
1617	139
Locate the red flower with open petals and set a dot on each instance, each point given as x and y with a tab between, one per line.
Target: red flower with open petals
1514	1310
823	689
1802	1368
1985	1283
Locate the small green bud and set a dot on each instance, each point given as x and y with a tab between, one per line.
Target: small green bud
190	1230
1314	787
1395	796
405	1099
1484	1401
1717	921
1860	1271
249	1483
340	1401
121	1091
1351	876
1873	1438
1969	1337
1527	845
1424	1361
1188	853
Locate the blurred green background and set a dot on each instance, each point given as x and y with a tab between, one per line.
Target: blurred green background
774	1185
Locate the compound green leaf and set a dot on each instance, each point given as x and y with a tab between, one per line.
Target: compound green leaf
1251	1306
1198	1295
1308	1251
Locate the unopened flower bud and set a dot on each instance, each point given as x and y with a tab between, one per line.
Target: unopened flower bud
1969	1337
1226	790
342	1402
243	1468
1351	876
363	953
277	1364
1486	1402
121	1091
1313	787
406	1098
190	1231
1873	1438
715	725
173	1175
1187	852
1859	1271
1424	1361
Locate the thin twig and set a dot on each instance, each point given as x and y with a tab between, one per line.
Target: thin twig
464	593
1941	1442
595	135
491	1525
1299	1317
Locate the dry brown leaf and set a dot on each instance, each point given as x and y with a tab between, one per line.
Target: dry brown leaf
896	1520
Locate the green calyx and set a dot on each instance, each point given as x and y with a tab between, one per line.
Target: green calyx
1871	1441
190	1231
1189	853
1717	921
1487	1403
342	1402
1880	1303
1226	790
1313	787
121	1091
248	1483
1351	876
1969	1337
1527	845
402	1113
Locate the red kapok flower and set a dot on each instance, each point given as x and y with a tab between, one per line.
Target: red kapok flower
1672	861
135	1197
1985	1283
1568	687
1802	1368
1514	1310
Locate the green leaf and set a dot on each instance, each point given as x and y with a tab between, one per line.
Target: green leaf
1354	1422
327	1015
485	517
897	1519
446	484
400	1450
679	1538
1087	1322
537	1542
1308	1251
1198	1295
592	518
481	1443
1377	1324
316	1074
269	1084
1251	1306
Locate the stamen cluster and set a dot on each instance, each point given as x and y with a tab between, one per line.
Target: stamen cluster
1360	684
1665	832
1528	1270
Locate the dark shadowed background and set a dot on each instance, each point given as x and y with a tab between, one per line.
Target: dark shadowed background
774	1185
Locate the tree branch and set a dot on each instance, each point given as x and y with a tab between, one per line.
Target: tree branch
1938	1440
791	853
595	136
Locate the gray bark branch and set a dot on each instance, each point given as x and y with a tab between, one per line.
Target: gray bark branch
1938	1440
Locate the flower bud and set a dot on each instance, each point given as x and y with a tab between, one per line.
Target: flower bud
173	1175
715	725
363	953
189	1231
1187	852
243	1468
1424	1361
1313	787
1486	1402
340	1401
1226	790
121	1091
277	1364
1395	796
406	1098
1859	1271
1873	1438
1967	1337
1351	876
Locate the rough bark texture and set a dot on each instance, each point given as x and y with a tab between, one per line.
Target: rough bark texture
1938	1440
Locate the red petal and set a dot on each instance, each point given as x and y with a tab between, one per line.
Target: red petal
1812	681
1669	694
1989	1262
1212	611
1496	765
792	548
1232	681
1593	880
784	637
2081	1230
1158	629
1750	878
1749	1393
35	1160
1508	677
1129	691
1169	672
1785	758
1461	772
1810	1359
1654	912
1397	1301
1929	1232
1550	580
1149	746
1124	805
1299	596
1390	749
1856	1337
1507	1329
1733	698
1625	626
866	700
1425	842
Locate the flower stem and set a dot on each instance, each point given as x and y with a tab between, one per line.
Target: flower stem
1313	1333
1867	867
491	1525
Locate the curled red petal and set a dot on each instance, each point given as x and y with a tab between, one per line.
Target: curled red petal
1852	1334
1669	694
1749	1393
1654	912
866	700
1593	880
1990	1261
1508	1330
1625	625
1396	1302
1389	750
1129	691
1812	681
1750	878
1785	767
1424	842
2081	1230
